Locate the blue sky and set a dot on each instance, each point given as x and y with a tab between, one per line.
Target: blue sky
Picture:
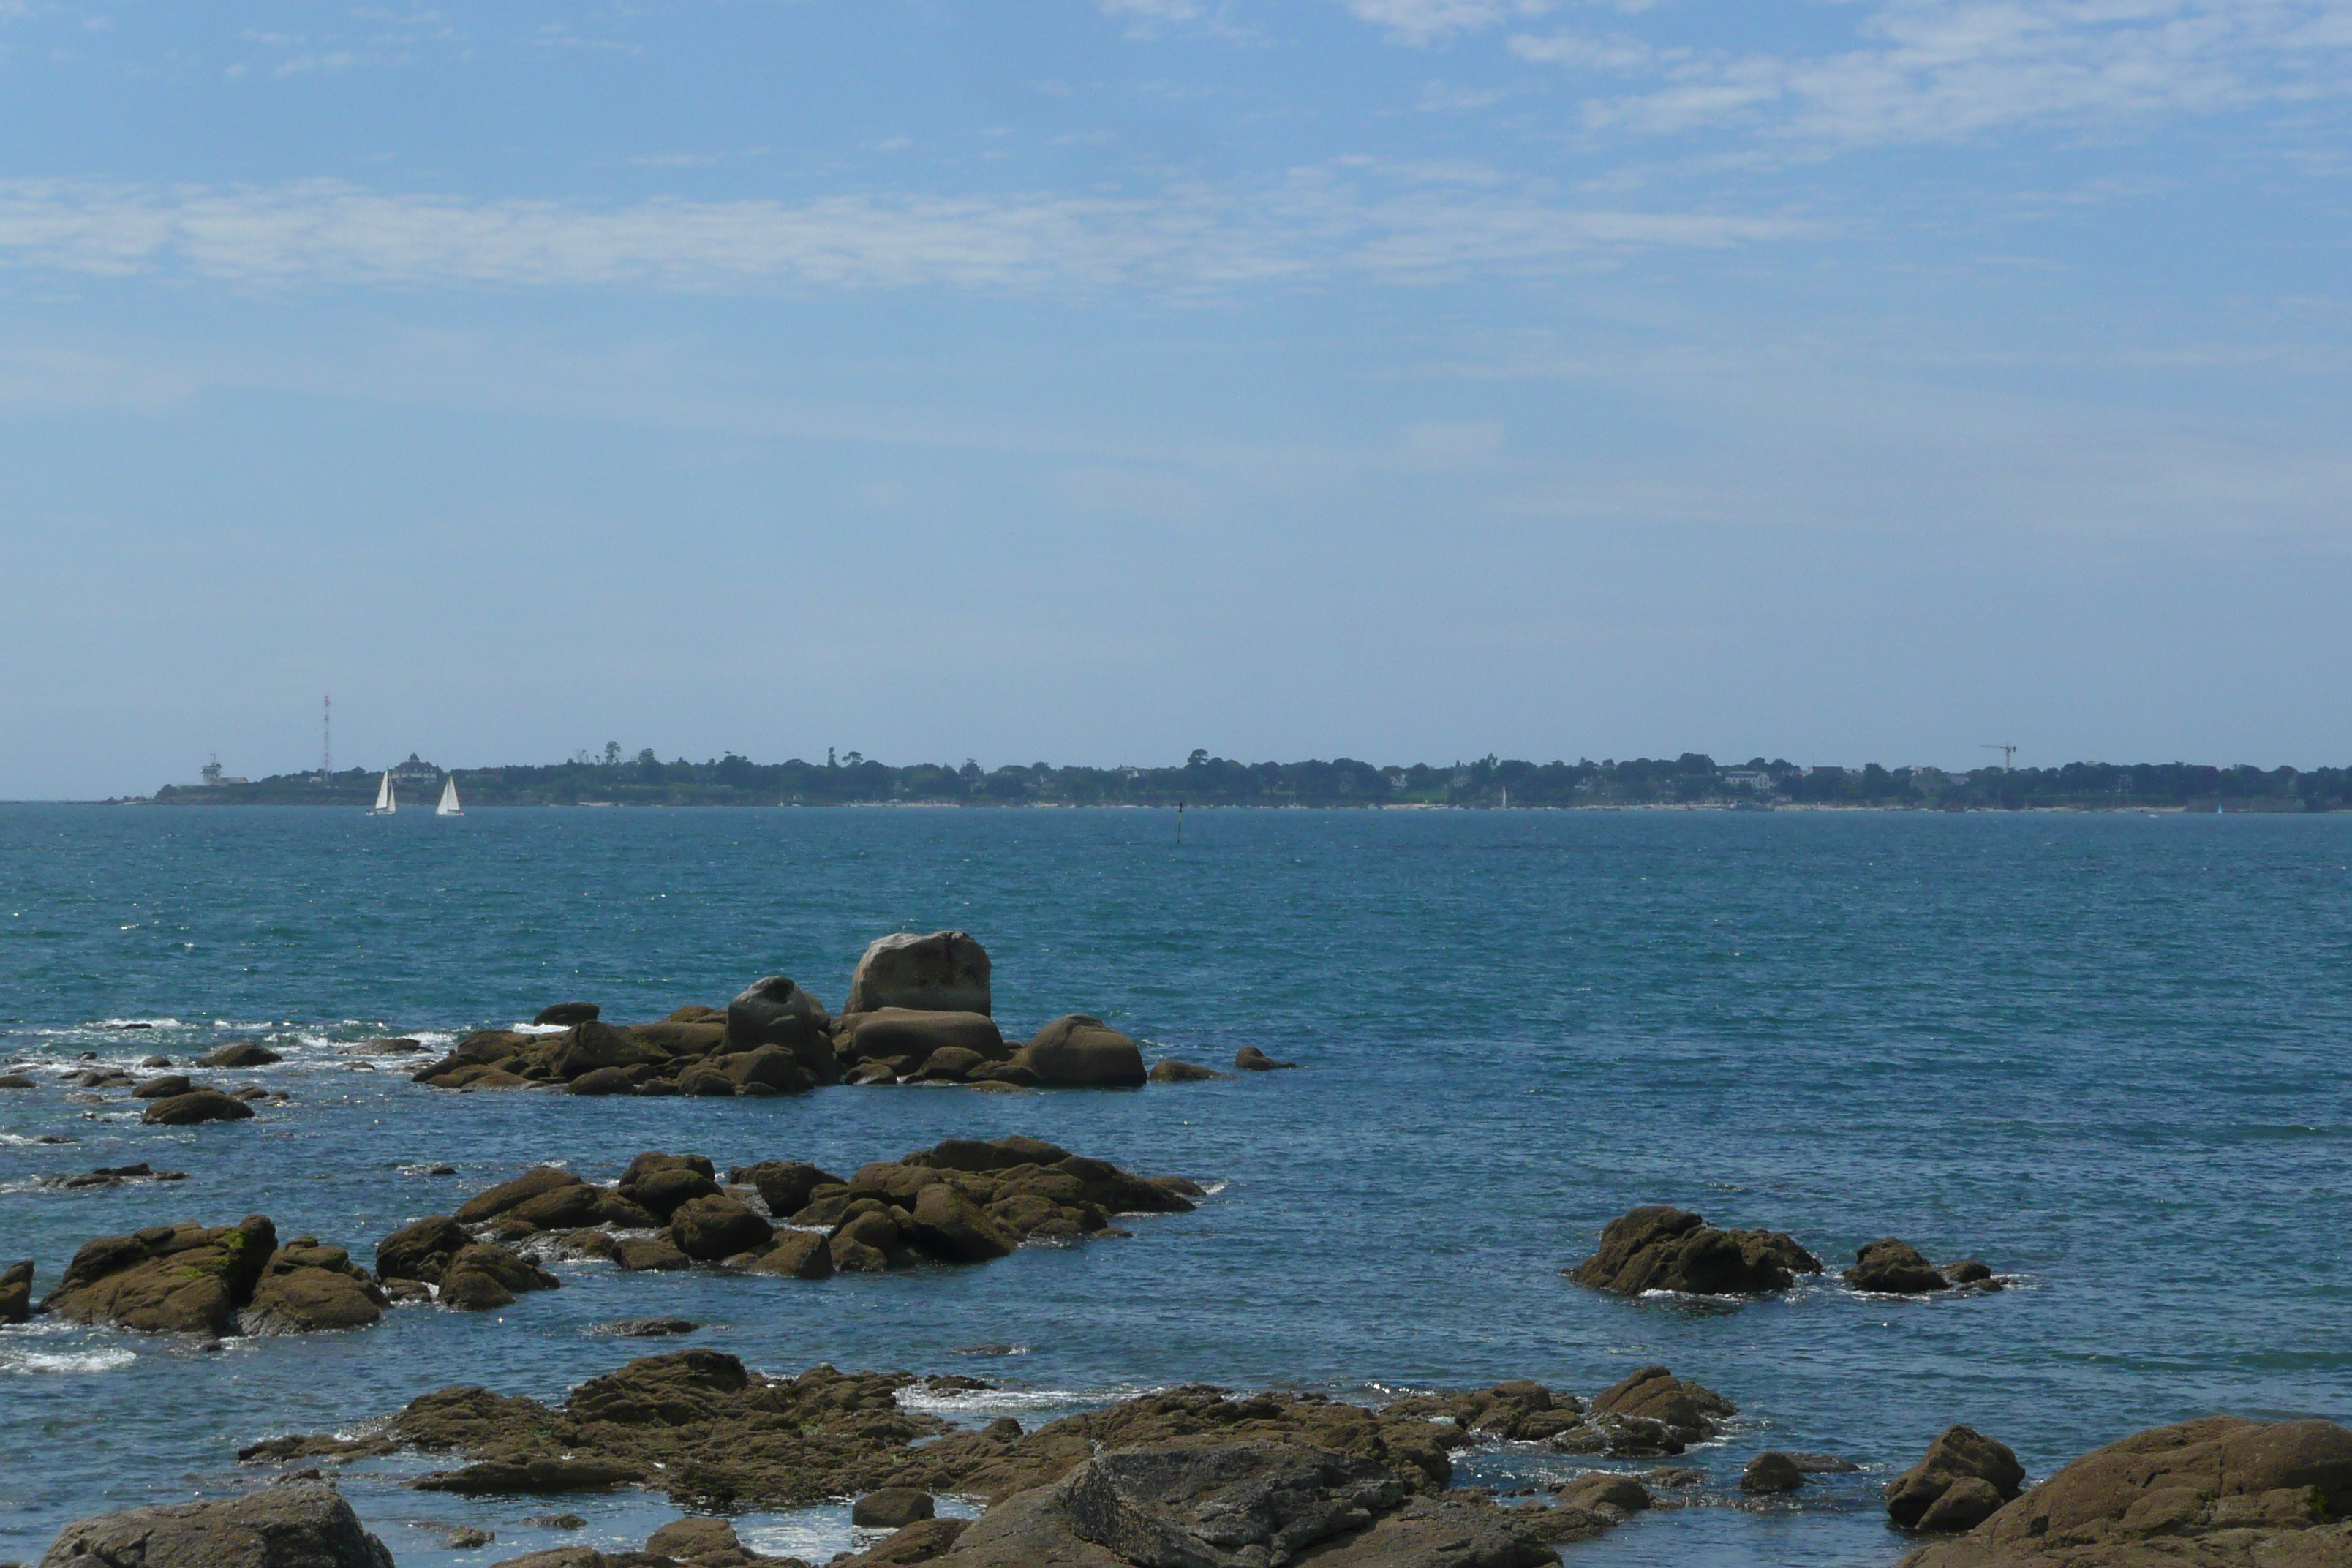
1091	380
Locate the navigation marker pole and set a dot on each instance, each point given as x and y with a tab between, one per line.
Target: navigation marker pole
1180	823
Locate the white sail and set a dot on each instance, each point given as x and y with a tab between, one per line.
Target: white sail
384	803
449	806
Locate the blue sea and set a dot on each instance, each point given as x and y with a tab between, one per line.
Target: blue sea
2110	1055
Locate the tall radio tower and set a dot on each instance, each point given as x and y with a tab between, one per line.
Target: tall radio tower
326	737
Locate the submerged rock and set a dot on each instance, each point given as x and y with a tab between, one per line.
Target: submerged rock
196	1107
1174	1071
111	1176
567	1014
298	1524
1249	1058
1770	1472
2214	1493
239	1054
1664	1248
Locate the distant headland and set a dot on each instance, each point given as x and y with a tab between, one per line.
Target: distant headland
1692	780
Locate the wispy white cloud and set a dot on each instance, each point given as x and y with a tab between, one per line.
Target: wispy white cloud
1424	22
1411	225
1945	70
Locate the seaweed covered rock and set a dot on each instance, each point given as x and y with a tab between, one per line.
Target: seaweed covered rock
306	1287
946	972
485	1275
420	1251
297	1524
167	1278
1664	1248
2221	1493
1964	1466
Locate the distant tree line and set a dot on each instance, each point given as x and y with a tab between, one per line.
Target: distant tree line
1692	779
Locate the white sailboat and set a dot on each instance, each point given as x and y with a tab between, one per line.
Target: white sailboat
384	803
449	806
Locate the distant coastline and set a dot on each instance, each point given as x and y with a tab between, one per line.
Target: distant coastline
1689	781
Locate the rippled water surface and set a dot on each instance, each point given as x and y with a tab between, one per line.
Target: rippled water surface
2108	1053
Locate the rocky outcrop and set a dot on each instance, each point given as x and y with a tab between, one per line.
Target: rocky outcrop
2219	1492
1893	1267
307	1287
1651	1413
1080	1052
1662	1249
439	1251
195	1107
962	1202
16	1292
774	1012
1961	1481
183	1278
298	1524
946	972
700	1427
909	1043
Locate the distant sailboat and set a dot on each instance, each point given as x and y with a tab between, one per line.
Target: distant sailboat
449	806
384	803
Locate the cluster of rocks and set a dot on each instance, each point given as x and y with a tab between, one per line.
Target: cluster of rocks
1650	1413
215	1280
1660	1247
1192	1475
964	1201
175	1099
2221	1492
919	1011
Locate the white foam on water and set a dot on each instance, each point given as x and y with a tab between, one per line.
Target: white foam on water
32	1362
994	1402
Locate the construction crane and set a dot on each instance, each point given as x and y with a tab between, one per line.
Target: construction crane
2008	755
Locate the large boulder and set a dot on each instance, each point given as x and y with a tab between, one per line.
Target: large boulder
1080	1052
1664	1248
197	1106
421	1251
506	1195
1893	1267
946	972
592	1045
486	1275
904	1039
183	1278
784	1185
2219	1492
773	1011
307	1287
948	1226
1960	1454
298	1524
714	1226
16	1292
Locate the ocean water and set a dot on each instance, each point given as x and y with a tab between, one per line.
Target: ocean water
2110	1055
